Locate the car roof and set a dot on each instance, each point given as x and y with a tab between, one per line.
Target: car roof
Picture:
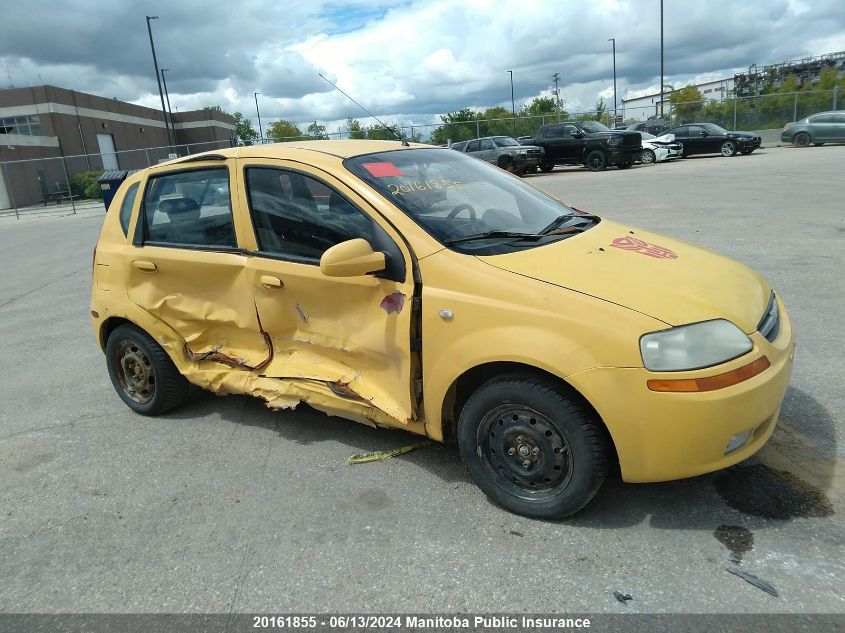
337	148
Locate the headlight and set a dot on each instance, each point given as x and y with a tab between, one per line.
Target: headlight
693	346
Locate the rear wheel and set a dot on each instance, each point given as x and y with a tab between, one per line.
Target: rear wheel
596	161
728	149
142	373
531	448
648	157
546	167
802	139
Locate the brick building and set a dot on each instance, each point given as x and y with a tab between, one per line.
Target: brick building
91	133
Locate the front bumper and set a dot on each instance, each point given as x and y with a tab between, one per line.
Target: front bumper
527	161
664	436
786	137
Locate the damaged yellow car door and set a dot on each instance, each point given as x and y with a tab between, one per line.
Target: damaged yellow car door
341	343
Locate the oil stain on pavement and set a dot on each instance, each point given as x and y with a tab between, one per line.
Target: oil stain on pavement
738	540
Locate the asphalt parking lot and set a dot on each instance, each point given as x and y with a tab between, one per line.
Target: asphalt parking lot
225	505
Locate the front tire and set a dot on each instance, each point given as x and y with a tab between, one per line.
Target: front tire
802	139
728	149
531	448
596	161
142	373
648	157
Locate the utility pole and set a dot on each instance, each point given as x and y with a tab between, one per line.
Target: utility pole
613	39
661	59
513	103
170	140
260	129
167	97
556	78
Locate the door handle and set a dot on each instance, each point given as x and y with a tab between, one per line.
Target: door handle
146	266
269	281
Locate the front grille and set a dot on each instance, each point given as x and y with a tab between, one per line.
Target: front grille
770	323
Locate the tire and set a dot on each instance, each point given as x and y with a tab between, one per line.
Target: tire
802	139
506	163
595	161
648	157
546	167
728	149
625	165
155	386
517	419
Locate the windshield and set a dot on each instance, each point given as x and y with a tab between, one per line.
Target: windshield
594	126
505	141
714	129
453	197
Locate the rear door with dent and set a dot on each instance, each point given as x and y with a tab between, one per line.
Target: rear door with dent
352	335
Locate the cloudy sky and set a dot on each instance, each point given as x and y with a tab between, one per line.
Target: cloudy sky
408	61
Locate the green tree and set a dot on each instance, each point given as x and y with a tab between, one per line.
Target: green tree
354	129
282	130
457	126
316	131
687	104
382	133
243	128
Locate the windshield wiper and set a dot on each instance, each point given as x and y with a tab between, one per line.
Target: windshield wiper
555	224
490	234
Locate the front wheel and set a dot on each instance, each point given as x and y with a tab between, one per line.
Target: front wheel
596	161
802	139
531	448
648	157
728	149
142	373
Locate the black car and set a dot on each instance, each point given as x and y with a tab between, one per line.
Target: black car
708	138
587	143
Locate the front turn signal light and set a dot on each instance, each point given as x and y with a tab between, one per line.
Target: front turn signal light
711	383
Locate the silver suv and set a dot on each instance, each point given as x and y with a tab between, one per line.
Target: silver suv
504	152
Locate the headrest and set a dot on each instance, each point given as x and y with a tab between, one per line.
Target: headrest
178	206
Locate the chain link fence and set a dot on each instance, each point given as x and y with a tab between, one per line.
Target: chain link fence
67	184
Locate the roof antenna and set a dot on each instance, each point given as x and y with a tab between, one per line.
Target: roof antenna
395	133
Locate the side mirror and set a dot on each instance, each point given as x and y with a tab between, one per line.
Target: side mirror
577	134
352	258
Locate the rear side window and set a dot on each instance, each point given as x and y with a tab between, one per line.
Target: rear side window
126	207
190	208
555	131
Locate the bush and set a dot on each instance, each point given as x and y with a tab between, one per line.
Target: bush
85	185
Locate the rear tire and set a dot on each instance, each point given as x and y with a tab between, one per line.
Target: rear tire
802	139
595	161
519	419
142	373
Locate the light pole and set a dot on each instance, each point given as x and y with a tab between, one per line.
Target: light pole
167	97
513	105
158	78
260	129
613	39
661	59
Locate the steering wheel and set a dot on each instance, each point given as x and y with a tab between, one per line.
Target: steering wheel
460	208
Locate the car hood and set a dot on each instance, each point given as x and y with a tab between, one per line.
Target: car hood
663	138
664	278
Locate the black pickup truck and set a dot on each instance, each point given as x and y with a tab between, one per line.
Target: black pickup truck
587	143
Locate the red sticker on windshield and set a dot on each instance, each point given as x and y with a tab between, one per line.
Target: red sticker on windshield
380	170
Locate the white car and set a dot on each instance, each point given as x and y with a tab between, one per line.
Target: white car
659	148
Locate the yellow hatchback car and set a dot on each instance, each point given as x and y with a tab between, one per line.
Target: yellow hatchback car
415	287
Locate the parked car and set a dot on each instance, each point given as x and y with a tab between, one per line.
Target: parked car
708	138
412	287
659	148
818	129
504	152
652	126
587	143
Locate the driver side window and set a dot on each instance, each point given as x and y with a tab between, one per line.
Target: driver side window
299	217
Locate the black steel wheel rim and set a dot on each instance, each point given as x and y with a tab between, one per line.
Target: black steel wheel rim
524	452
595	161
134	371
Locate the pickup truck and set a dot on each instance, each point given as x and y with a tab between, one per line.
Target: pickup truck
587	143
504	152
